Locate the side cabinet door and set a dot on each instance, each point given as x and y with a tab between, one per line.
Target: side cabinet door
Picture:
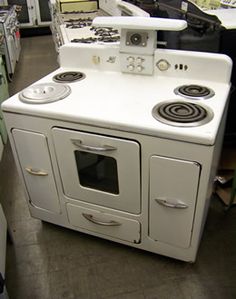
173	193
33	154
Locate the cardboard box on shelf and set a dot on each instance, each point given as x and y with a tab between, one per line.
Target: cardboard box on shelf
225	195
226	176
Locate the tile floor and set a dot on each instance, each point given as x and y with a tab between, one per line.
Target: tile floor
50	262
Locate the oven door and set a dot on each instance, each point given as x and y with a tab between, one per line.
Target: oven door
99	169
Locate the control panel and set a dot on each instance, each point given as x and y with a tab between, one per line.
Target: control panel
136	64
136	51
138	40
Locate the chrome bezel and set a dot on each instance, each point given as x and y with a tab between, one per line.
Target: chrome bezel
83	76
29	96
210	95
204	121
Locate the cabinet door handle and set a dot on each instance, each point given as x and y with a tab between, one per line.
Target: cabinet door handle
164	202
99	222
104	148
36	172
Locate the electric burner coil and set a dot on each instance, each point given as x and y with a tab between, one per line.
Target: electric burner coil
182	114
193	91
68	77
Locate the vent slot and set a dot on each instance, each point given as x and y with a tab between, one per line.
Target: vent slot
181	67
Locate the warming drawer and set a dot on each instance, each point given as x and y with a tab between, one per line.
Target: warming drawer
104	223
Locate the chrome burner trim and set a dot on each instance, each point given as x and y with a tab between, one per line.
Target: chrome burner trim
208	92
68	77
44	93
209	115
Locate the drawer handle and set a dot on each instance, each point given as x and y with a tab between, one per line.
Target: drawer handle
105	148
36	172
99	222
164	202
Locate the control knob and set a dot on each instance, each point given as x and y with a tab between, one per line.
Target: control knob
130	59
140	68
163	65
130	67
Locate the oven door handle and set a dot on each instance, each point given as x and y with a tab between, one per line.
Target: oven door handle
90	217
170	204
104	148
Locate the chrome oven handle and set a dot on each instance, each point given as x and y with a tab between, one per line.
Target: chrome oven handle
36	172
164	202
104	148
90	217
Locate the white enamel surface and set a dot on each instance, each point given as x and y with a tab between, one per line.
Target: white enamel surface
41	189
173	182
71	34
109	98
110	7
44	93
68	34
126	152
142	23
106	7
131	9
128	229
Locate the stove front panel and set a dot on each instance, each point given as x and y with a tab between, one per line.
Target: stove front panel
158	227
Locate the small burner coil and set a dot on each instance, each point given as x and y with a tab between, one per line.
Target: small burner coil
182	114
68	77
194	91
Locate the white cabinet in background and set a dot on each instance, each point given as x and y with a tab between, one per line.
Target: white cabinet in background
34	13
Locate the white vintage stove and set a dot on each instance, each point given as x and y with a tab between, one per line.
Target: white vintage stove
77	26
122	141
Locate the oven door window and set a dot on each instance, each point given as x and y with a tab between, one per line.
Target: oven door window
97	171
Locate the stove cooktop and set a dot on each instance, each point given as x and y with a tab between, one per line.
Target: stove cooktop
105	97
77	28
